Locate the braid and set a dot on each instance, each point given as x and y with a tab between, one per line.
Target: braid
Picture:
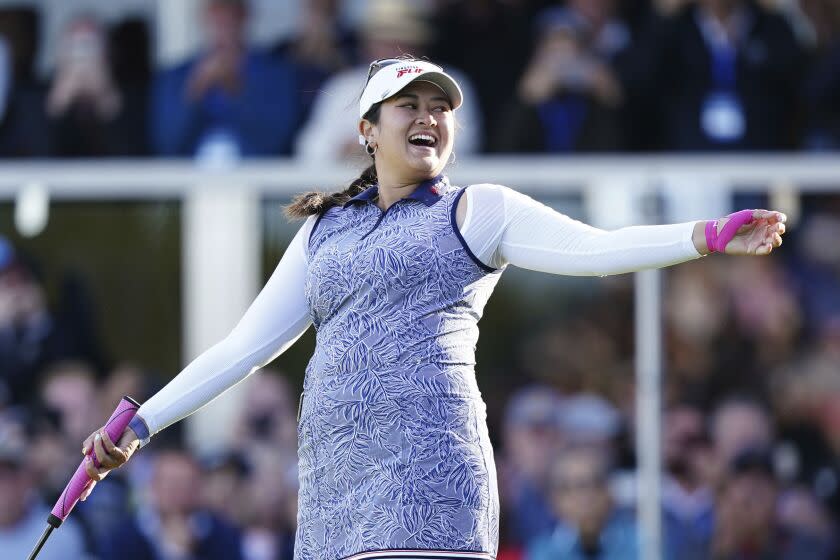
315	202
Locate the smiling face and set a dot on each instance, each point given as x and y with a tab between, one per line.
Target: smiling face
414	133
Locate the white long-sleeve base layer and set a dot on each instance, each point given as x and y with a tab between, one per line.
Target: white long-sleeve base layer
501	227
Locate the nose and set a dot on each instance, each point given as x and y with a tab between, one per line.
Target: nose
426	117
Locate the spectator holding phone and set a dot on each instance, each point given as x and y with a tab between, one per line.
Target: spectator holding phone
88	114
569	94
230	98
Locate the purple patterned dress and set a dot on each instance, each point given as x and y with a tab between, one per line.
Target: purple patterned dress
393	445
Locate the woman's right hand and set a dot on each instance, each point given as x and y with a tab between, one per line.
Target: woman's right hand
110	456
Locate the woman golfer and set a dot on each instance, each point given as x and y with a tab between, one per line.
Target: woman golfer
394	272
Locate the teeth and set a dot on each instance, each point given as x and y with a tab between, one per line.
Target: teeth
426	137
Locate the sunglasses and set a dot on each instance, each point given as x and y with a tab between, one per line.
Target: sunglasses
378	65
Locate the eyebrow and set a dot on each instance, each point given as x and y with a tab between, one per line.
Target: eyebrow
416	97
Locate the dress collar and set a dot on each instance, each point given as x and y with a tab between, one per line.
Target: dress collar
428	192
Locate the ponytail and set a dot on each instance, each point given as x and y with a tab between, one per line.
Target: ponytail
314	202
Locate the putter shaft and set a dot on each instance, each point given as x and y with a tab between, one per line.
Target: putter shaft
41	542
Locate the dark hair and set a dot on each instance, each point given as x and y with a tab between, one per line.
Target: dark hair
316	202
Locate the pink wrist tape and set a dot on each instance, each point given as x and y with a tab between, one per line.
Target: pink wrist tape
717	242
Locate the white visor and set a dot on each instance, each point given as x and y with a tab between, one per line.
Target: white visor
392	79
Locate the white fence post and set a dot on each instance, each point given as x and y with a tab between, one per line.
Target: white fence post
221	268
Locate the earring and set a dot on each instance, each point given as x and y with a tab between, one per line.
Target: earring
452	158
370	150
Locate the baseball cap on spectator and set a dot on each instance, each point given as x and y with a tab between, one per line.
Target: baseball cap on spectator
534	406
588	418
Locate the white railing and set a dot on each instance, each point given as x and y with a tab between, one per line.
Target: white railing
222	241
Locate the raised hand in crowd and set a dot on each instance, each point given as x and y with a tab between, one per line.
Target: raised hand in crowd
82	74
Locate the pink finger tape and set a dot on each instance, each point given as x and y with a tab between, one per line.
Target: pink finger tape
114	427
717	242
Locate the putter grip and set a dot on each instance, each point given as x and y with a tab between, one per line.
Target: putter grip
114	427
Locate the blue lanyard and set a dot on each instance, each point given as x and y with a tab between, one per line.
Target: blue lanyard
724	66
723	52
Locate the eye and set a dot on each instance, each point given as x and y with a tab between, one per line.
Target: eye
409	105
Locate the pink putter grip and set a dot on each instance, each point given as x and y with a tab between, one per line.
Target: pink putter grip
114	427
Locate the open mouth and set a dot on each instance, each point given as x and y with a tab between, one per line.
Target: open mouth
423	140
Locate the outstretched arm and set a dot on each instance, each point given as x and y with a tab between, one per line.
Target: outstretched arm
503	226
274	321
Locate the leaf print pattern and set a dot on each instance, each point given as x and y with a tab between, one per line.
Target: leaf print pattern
393	443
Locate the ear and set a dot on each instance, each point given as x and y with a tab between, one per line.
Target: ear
367	130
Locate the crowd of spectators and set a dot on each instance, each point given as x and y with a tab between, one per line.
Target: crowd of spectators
540	76
751	442
751	447
751	421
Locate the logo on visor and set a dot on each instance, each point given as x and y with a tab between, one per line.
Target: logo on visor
403	70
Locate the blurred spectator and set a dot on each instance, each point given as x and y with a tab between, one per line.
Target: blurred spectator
268	415
569	98
800	511
817	266
745	515
531	435
23	128
262	470
476	36
719	75
765	310
705	353
230	100
69	391
89	114
271	506
739	423
173	525
127	379
822	86
31	336
321	46
822	90
392	28
575	355
590	527
687	498
815	441
226	475
22	516
588	420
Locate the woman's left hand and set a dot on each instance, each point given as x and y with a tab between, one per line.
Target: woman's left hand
758	237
